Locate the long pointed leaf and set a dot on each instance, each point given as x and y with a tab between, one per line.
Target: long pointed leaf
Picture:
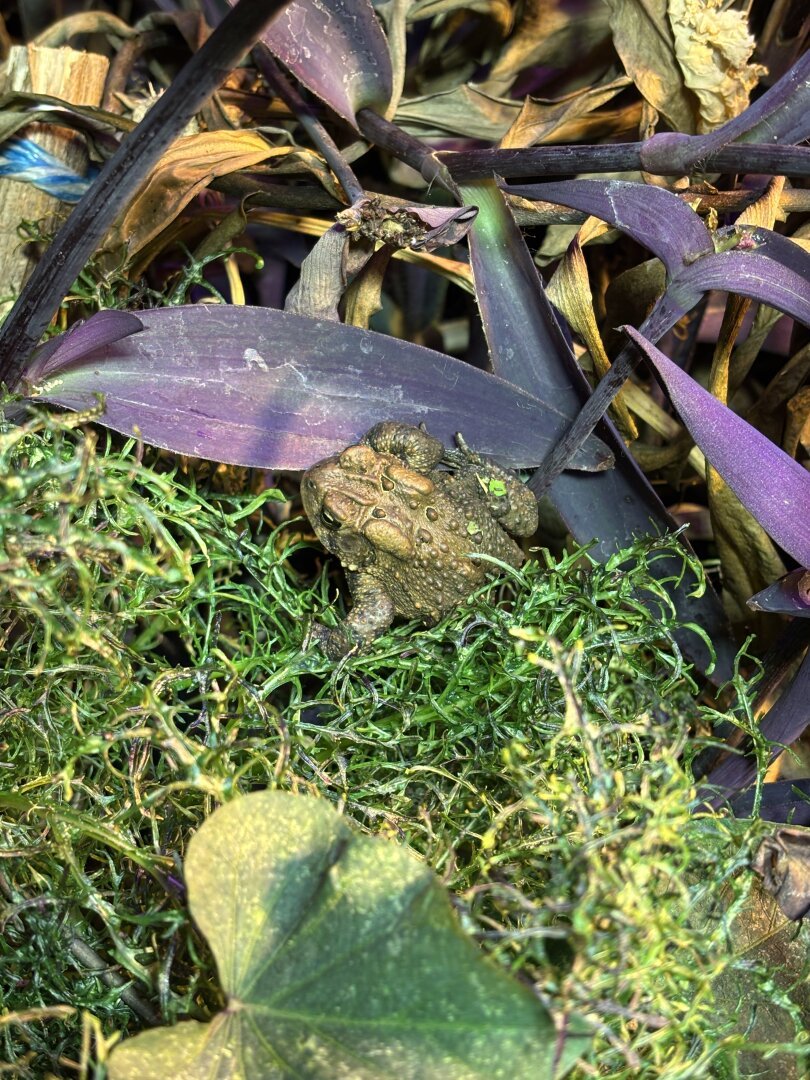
765	266
774	487
654	217
337	49
789	596
270	389
527	348
104	328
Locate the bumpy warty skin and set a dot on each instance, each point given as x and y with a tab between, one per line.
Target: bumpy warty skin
403	528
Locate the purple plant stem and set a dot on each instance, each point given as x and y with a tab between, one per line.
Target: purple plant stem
663	316
544	161
281	85
406	148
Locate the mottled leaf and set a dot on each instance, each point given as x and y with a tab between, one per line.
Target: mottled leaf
270	389
774	487
339	956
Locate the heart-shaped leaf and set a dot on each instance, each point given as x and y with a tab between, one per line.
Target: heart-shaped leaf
271	389
340	956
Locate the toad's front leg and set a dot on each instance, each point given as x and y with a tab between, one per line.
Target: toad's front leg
509	500
371	615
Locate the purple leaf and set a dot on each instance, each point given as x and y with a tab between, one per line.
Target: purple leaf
270	389
774	487
528	348
525	341
788	596
764	265
781	800
103	328
781	115
337	49
654	217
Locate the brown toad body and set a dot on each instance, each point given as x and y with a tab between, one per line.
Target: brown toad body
403	528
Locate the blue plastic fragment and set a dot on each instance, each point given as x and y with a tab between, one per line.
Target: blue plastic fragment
25	160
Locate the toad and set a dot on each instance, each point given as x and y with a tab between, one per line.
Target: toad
407	530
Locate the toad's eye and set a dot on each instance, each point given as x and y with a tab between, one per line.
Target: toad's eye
329	519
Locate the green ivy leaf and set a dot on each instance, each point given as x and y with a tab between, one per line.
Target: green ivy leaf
340	957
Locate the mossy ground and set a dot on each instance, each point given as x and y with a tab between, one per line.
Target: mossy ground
534	748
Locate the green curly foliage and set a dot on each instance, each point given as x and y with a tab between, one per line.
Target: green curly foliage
533	748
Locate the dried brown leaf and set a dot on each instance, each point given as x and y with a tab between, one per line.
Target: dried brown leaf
783	863
538	121
550	33
713	49
187	167
643	38
570	292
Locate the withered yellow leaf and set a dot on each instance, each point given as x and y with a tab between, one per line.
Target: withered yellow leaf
187	167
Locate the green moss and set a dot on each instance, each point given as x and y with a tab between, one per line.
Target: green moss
533	748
